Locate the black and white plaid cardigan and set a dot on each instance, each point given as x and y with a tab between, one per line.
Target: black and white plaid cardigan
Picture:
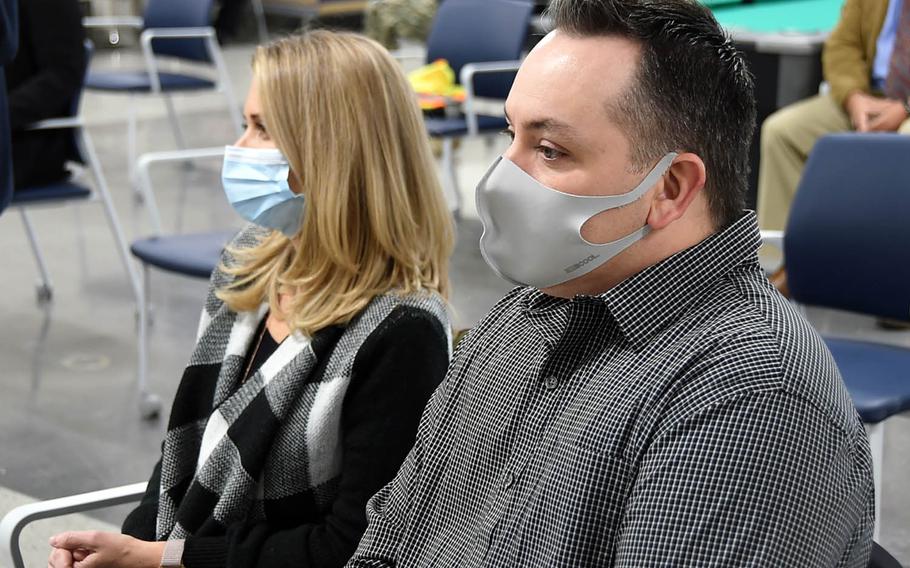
234	448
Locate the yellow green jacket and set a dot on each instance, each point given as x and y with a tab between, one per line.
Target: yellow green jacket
850	49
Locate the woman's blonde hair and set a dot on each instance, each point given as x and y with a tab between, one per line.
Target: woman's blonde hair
342	112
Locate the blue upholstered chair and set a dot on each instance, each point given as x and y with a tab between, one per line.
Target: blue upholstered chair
846	247
71	190
193	255
176	29
483	41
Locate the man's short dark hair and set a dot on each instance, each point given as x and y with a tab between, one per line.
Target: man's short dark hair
692	91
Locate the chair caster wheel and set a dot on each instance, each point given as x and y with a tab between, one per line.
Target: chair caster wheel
149	406
44	294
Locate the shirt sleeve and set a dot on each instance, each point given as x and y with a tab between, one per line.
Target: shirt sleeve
55	45
395	373
844	62
762	480
142	521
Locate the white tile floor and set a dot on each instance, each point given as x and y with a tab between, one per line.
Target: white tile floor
68	418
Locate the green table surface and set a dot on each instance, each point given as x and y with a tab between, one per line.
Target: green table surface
777	16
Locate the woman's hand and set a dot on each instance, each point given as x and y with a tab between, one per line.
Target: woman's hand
96	549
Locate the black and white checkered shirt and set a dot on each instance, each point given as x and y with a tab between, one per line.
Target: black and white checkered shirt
687	417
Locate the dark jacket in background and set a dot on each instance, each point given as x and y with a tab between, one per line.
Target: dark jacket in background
42	81
8	41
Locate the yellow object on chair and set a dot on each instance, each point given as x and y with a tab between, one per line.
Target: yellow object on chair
435	85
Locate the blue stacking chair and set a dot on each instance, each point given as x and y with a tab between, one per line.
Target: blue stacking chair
194	255
177	29
846	247
71	190
483	42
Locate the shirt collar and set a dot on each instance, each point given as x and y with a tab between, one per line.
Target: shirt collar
659	295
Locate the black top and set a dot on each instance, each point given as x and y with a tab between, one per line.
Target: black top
394	373
687	417
260	350
42	82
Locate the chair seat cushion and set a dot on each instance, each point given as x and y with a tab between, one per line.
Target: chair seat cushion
140	82
60	191
194	254
877	376
458	126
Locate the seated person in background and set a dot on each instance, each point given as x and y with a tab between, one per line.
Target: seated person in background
650	401
324	332
9	39
867	67
42	81
388	21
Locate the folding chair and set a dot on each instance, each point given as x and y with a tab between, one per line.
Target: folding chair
71	190
483	41
179	29
845	247
194	255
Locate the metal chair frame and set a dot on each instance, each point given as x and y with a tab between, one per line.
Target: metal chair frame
148	35
150	405
99	191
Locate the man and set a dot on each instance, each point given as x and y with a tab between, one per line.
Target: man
9	40
652	401
867	67
42	82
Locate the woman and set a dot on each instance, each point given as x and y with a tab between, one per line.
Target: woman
321	339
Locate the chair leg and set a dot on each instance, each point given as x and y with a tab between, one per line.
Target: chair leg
175	123
451	175
876	434
45	289
149	404
131	147
112	219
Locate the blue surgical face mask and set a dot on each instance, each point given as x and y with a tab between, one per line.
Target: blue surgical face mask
256	184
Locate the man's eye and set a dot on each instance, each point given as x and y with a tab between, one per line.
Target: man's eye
549	153
508	133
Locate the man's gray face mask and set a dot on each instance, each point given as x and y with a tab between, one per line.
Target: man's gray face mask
532	233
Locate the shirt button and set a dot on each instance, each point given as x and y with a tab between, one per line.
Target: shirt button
508	481
550	383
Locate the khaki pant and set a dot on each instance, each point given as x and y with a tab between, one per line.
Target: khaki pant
787	137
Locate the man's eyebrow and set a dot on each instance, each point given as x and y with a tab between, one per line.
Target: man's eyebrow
550	124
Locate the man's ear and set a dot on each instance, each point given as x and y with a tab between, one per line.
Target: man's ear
676	190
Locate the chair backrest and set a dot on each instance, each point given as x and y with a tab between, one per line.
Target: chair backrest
179	14
476	31
847	241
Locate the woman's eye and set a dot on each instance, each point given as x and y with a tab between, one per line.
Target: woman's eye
508	133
